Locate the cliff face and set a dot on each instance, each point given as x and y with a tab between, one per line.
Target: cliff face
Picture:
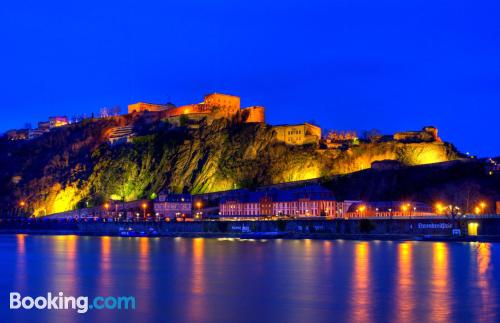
75	167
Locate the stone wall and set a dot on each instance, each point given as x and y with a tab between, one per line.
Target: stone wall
256	114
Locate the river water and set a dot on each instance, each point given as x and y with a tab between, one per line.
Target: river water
228	280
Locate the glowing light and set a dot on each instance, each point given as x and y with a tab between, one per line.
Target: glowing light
472	228
439	208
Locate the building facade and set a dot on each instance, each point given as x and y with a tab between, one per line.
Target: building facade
427	134
59	121
302	202
214	106
389	210
20	134
255	114
173	205
143	106
298	134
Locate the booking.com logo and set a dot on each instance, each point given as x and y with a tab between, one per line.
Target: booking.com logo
61	302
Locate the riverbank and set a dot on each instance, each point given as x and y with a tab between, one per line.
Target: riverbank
484	229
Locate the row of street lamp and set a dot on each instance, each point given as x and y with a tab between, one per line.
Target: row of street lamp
405	207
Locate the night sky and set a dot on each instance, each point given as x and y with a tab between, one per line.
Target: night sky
350	64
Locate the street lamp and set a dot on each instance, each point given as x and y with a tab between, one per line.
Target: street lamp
361	209
22	205
198	206
144	207
406	208
439	208
483	206
106	207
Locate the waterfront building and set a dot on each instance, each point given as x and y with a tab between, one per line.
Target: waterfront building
389	209
298	134
132	210
300	202
168	205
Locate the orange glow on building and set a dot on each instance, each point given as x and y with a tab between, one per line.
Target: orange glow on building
143	106
214	106
55	122
255	114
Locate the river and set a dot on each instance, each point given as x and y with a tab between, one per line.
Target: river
231	280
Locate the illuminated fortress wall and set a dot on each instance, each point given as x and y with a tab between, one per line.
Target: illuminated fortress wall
256	114
142	106
216	106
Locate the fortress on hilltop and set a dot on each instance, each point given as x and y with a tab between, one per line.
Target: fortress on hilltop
214	106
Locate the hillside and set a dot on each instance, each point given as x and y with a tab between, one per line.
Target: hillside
462	182
74	166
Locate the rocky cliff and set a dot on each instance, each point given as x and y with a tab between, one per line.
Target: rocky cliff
74	166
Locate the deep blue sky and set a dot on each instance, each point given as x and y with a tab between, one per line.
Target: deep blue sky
349	64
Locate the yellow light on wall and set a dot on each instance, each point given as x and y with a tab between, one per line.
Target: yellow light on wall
472	229
439	208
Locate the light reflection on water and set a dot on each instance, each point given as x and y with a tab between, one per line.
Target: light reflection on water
405	283
440	297
210	280
361	300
